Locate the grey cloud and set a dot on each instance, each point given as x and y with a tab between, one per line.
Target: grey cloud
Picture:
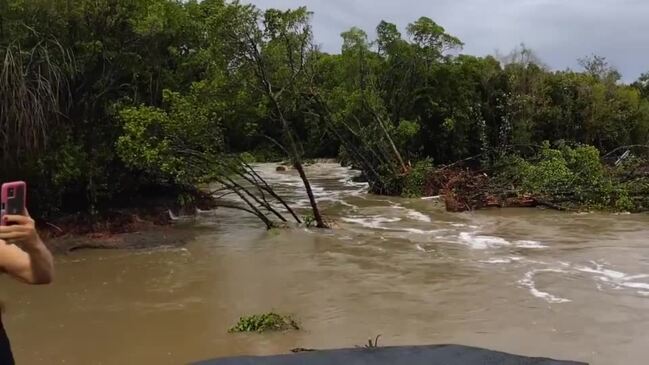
559	31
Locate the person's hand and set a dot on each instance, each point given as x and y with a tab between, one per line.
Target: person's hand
19	229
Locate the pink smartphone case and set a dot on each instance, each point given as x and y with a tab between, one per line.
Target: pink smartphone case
13	199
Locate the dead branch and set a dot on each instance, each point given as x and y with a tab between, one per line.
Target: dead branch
270	191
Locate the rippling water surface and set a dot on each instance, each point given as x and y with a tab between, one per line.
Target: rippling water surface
529	281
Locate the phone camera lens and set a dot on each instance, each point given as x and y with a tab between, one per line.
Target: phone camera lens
11	192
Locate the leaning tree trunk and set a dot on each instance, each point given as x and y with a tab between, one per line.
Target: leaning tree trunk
262	185
252	208
307	185
297	163
251	46
395	150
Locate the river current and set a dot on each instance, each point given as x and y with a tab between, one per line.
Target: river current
528	281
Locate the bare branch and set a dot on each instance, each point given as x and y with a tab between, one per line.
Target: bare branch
271	191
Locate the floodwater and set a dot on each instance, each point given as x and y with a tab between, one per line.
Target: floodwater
527	281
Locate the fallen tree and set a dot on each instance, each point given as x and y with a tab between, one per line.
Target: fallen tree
564	178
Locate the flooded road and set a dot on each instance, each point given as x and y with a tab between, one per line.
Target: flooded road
528	281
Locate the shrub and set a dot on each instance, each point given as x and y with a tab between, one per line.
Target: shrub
248	157
309	221
265	322
624	203
415	181
566	175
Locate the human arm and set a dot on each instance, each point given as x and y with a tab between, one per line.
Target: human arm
28	259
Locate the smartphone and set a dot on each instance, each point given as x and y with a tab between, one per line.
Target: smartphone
13	199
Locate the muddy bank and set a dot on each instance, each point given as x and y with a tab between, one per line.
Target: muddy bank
148	238
148	223
115	230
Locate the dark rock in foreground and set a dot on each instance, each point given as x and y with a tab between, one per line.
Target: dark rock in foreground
409	355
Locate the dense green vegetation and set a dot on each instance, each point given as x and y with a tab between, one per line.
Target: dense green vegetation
265	322
576	178
105	100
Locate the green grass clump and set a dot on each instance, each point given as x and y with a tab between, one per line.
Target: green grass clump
265	322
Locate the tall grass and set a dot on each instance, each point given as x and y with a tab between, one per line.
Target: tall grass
33	92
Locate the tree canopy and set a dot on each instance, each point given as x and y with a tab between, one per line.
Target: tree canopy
101	99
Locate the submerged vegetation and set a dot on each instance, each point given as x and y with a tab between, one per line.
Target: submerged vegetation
265	322
103	101
372	343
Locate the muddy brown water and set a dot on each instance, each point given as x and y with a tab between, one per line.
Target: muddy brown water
528	281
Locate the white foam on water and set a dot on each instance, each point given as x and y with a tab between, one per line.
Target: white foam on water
608	274
360	192
529	244
633	285
378	222
505	260
374	198
420	248
496	261
302	203
615	278
420	231
432	197
635	277
418	216
360	189
343	202
348	181
371	222
644	293
479	242
413	214
528	282
462	225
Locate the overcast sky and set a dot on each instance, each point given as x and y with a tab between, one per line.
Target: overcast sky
559	31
